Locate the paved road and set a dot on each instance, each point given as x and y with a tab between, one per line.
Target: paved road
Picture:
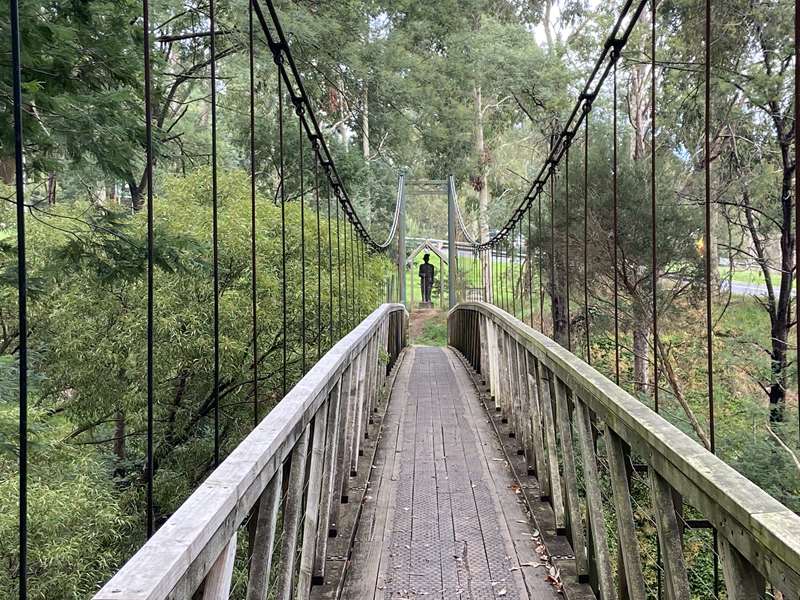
747	289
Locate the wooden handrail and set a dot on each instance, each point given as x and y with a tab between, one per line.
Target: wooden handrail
321	420
552	397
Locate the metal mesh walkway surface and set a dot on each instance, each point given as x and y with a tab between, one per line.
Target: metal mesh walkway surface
441	517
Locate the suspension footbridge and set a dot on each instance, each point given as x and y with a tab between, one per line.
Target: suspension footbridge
503	465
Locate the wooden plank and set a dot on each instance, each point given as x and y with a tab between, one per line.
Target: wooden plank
526	409
346	447
291	518
372	545
537	428
311	519
264	538
546	404
742	581
218	581
669	538
358	414
626	525
594	501
523	565
571	479
328	503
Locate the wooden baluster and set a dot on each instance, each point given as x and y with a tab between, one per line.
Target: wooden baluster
484	350
264	538
513	386
358	415
373	375
311	520
329	503
546	405
626	526
376	368
505	383
526	442
349	406
537	430
594	501
571	478
292	509
218	581
669	538
742	580
490	358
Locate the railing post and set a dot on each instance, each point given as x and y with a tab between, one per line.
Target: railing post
669	538
570	479
546	405
311	521
594	502
626	526
328	506
292	509
742	580
218	581
535	418
264	537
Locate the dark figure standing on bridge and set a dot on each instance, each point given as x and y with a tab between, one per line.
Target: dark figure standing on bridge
426	278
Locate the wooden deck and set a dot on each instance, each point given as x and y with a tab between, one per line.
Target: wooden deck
442	517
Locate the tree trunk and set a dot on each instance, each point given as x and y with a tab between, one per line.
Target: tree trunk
8	170
641	372
119	442
365	124
481	184
639	115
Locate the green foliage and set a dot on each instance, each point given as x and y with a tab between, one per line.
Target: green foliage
89	355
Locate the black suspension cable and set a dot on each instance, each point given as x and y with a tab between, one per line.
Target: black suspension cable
618	38
653	231
281	179
587	108
319	256
504	278
330	266
530	267
353	263
653	240
797	191
148	118
541	268
513	295
22	299
345	255
707	225
566	243
615	59
521	274
214	220
299	109
708	265
338	273
253	265
553	287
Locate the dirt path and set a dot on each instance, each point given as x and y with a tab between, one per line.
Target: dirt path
418	319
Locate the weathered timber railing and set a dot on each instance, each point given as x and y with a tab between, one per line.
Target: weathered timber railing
563	411
292	472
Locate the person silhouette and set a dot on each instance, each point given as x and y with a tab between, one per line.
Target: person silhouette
426	272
